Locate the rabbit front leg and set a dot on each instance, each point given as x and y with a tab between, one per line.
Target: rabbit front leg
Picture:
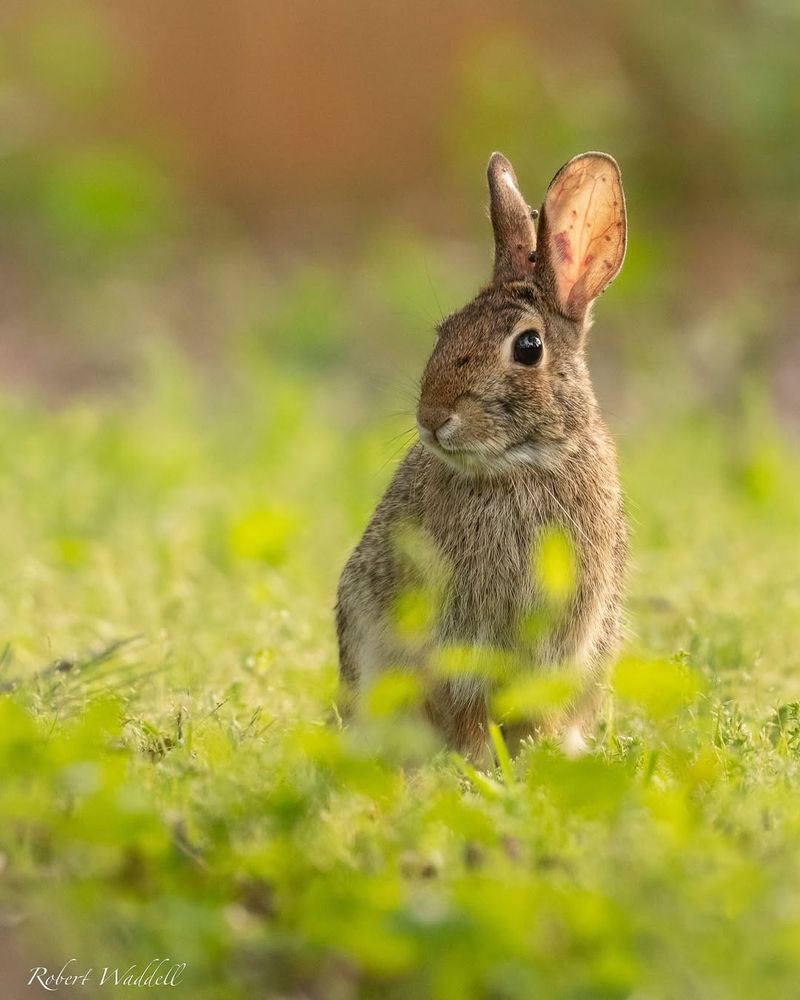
461	715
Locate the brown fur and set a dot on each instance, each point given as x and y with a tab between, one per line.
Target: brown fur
509	451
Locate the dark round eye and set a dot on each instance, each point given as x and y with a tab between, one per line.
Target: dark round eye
528	348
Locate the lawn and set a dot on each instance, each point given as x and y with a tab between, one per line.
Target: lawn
176	784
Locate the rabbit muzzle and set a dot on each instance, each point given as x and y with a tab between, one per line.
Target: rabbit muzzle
461	434
437	424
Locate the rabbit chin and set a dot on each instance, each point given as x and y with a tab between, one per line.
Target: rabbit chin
488	459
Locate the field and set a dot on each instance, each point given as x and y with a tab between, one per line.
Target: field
176	784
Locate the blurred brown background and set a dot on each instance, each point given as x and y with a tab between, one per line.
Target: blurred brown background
173	168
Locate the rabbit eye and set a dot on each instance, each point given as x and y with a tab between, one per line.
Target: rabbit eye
528	348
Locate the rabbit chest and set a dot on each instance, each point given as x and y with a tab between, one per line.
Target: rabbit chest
487	531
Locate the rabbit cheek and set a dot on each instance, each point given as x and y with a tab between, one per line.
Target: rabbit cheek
534	409
483	425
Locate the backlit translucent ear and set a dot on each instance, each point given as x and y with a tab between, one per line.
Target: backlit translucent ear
582	232
514	233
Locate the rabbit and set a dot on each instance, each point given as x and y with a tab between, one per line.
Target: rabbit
511	443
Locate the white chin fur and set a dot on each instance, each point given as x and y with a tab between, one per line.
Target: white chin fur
543	455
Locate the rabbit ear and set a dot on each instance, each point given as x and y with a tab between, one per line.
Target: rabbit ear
514	233
582	232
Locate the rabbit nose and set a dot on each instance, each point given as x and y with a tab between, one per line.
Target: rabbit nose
436	423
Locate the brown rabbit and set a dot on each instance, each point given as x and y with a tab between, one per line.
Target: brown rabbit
511	444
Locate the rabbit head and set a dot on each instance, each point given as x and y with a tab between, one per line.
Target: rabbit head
507	384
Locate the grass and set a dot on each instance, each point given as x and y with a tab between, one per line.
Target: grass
184	796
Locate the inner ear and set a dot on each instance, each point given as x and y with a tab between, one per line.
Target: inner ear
582	233
514	232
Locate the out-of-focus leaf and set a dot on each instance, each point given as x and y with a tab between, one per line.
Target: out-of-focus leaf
554	563
659	687
394	691
414	614
485	662
535	695
263	534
